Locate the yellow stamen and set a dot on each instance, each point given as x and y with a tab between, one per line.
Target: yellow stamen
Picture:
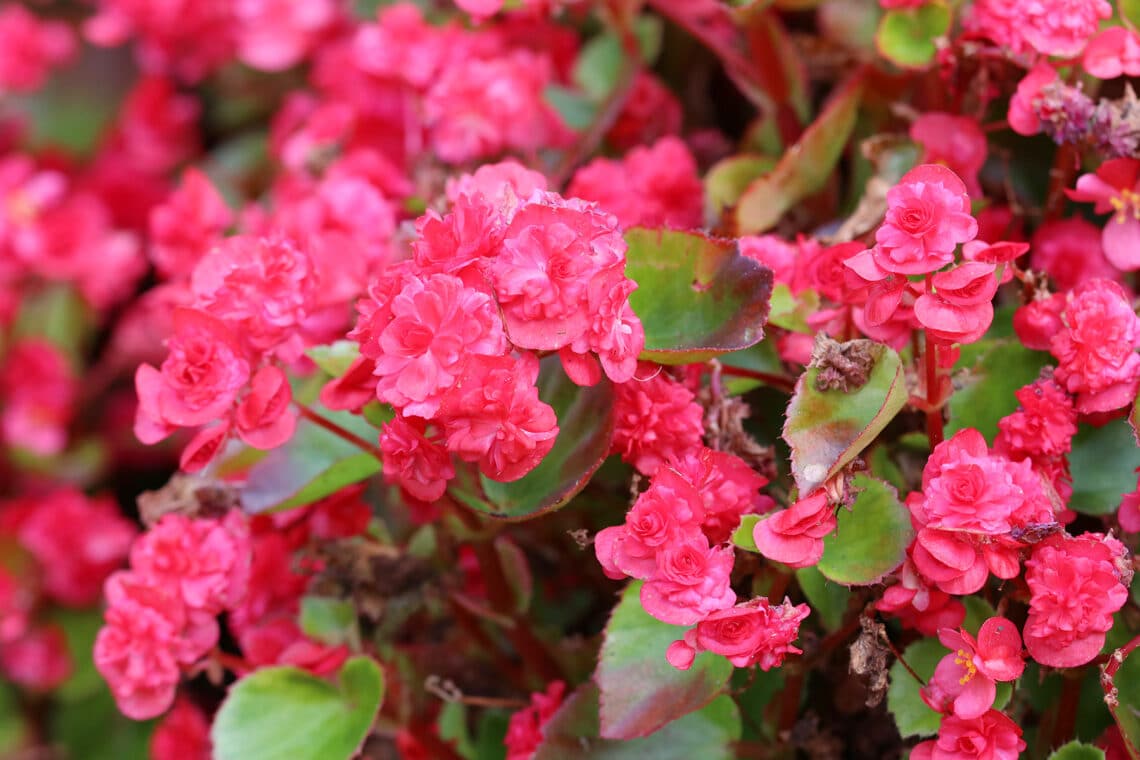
966	661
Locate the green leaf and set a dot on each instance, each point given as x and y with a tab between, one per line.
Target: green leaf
828	429
335	358
585	432
906	36
1076	751
806	167
640	691
285	713
727	180
791	312
1127	711
576	110
92	728
599	65
314	464
978	611
13	732
826	598
742	536
1130	9
708	734
911	714
59	315
1134	420
763	357
329	620
997	369
80	627
872	536
698	297
1103	462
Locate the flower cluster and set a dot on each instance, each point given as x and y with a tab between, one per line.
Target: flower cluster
451	336
162	613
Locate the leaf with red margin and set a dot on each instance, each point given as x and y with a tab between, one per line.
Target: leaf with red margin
572	732
827	429
806	166
585	431
1121	683
640	691
697	296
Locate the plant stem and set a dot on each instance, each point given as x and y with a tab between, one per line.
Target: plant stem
934	431
1060	176
531	648
338	431
1065	721
781	382
1111	697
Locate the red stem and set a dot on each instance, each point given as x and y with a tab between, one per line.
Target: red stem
934	430
1111	697
338	431
782	382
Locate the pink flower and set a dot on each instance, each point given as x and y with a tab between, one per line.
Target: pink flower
263	418
670	510
1061	27
729	489
795	536
485	106
752	633
1076	584
1115	187
187	225
276	34
965	679
1112	53
991	736
554	256
999	20
39	390
433	326
182	734
959	310
656	420
39	660
1044	426
204	561
263	288
157	127
1023	117
955	141
950	560
418	464
1070	252
919	605
141	644
524	732
966	489
775	253
1096	350
1038	321
654	186
494	417
74	562
928	215
31	47
198	381
692	580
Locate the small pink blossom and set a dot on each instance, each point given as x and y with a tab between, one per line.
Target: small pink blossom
182	734
416	462
187	225
524	732
692	581
656	420
1070	252
964	681
955	141
1023	117
1061	27
1115	187
31	48
990	736
1076	584
795	536
928	215
39	389
755	632
1112	53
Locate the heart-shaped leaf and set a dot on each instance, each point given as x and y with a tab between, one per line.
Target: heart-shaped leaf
906	36
286	713
585	422
640	691
727	180
698	297
872	536
827	429
315	463
708	734
806	166
827	598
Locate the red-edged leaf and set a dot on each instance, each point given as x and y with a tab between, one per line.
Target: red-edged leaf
697	296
